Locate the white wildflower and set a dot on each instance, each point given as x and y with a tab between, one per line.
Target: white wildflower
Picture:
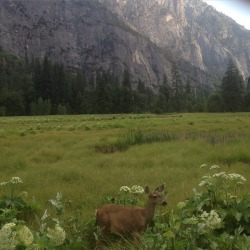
24	193
57	235
212	219
25	236
137	189
9	225
207	181
237	178
4	183
15	180
220	175
7	237
214	167
203	166
203	183
125	189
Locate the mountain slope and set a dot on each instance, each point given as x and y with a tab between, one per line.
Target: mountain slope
144	36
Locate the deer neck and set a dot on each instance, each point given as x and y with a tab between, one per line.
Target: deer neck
149	212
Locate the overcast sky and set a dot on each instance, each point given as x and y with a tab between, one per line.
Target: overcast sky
239	10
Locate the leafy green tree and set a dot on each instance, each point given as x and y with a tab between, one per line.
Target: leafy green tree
232	88
177	89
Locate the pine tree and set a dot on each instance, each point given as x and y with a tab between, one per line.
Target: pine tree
232	88
162	104
248	84
36	77
140	98
177	89
47	84
126	100
103	96
189	97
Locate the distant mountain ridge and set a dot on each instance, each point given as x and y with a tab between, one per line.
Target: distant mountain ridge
144	36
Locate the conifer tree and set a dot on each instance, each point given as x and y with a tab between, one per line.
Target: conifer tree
140	98
162	104
232	88
126	94
103	97
47	83
177	89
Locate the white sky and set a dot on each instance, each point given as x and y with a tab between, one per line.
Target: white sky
239	10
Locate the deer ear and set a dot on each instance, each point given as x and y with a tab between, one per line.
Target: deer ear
160	188
146	190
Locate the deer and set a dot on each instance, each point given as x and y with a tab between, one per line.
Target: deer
123	219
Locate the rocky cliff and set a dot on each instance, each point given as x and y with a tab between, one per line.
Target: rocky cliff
143	35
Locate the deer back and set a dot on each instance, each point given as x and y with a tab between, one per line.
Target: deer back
121	218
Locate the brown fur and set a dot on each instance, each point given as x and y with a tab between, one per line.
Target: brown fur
129	219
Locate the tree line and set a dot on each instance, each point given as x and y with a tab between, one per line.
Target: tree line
39	87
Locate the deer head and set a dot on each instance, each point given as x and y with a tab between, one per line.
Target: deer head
156	197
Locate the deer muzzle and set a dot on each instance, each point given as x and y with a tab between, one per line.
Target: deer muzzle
164	203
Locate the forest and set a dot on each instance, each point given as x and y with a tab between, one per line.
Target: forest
40	87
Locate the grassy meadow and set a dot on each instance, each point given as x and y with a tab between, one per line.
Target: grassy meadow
64	154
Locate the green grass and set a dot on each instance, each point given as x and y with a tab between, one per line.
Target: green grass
58	154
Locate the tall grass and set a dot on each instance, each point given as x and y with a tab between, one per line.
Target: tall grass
58	154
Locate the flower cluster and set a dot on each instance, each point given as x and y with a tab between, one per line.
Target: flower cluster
211	180
211	220
125	189
214	167
237	178
13	181
137	189
25	236
57	235
7	237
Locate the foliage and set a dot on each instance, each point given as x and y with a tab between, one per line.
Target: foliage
14	234
40	87
214	218
232	88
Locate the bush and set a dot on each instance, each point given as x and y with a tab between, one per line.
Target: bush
214	218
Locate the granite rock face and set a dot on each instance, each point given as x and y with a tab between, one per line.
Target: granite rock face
143	35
